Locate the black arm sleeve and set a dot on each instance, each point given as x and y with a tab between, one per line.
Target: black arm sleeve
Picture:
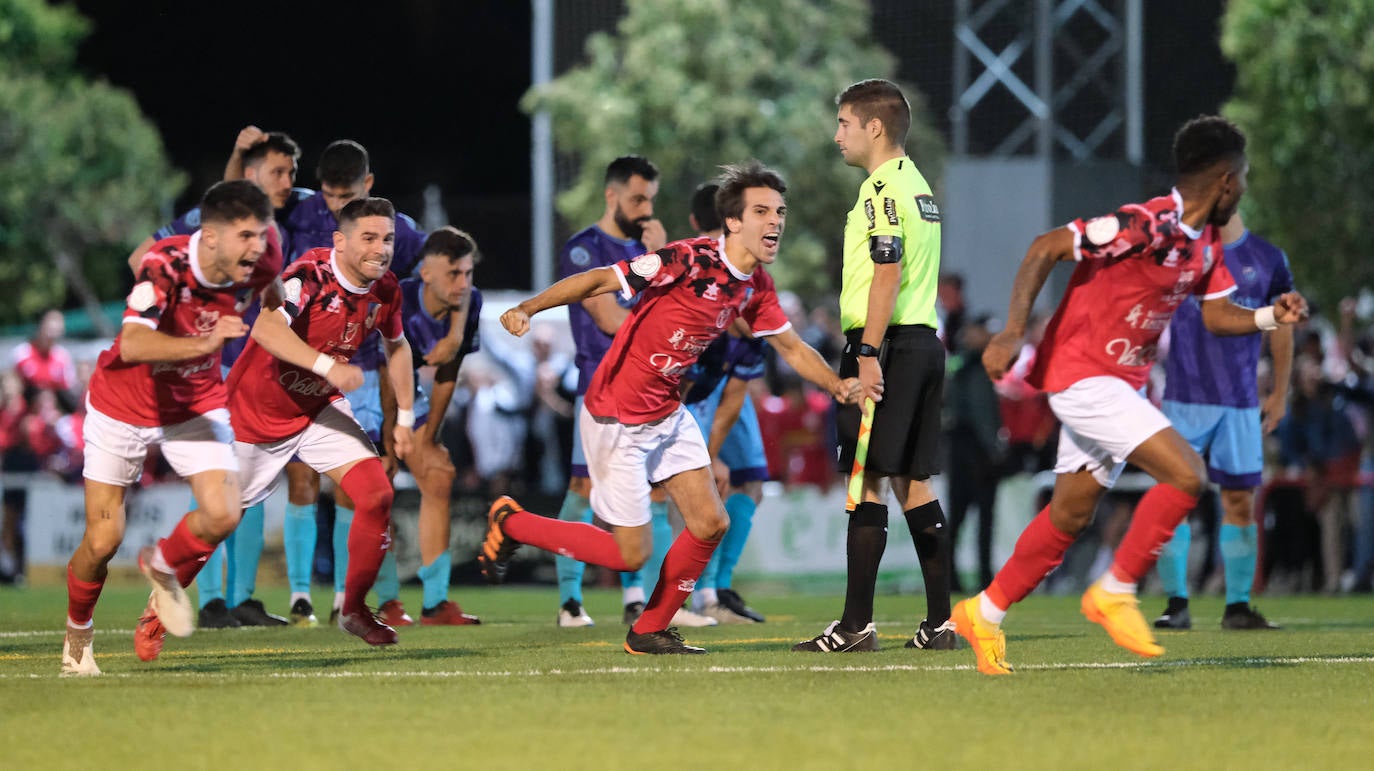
885	250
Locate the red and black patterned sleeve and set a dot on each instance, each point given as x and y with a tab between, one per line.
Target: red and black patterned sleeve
156	286
300	283
1126	232
660	268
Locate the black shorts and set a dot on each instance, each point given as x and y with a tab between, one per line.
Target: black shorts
906	425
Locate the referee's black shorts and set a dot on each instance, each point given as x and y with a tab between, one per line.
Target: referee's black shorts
905	440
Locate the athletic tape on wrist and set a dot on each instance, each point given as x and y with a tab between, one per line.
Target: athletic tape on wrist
1264	318
405	418
323	363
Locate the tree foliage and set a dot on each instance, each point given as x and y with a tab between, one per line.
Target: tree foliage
1305	97
694	84
85	172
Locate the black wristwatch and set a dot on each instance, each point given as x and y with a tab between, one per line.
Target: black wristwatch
867	350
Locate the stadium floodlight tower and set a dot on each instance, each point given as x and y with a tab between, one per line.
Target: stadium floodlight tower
1048	110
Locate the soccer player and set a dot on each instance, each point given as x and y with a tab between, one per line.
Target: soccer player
1211	396
160	383
1135	267
443	292
287	389
717	395
627	228
887	309
268	160
634	428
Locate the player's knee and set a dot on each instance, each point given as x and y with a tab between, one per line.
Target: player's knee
1192	479
102	543
437	482
219	520
1070	518
580	486
634	555
368	487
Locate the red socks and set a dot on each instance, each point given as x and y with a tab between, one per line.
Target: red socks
578	540
81	597
1039	550
184	553
367	484
1158	513
682	566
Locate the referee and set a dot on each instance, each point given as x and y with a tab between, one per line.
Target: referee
887	309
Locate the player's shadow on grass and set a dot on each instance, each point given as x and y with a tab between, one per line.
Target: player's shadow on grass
323	661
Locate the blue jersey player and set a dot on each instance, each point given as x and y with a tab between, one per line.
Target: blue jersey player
1211	396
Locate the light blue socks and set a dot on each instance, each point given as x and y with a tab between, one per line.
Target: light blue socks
1239	552
298	538
434	576
576	508
1173	562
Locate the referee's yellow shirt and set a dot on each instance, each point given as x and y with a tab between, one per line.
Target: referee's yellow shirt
894	201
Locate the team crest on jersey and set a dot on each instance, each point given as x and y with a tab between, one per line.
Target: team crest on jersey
206	321
350	331
722	318
579	256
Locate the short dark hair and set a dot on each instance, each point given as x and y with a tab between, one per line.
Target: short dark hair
881	99
1205	140
343	163
452	243
235	200
626	166
276	142
736	178
358	208
704	207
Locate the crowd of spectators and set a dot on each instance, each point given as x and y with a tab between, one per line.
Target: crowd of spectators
510	428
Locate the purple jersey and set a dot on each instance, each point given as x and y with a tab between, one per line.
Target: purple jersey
592	248
728	356
1203	368
312	224
423	331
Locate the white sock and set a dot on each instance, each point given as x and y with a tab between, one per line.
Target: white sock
704	597
1113	585
75	625
989	610
300	596
160	562
633	594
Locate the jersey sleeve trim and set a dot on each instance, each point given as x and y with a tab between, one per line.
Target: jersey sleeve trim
1077	241
771	332
1223	293
149	323
625	290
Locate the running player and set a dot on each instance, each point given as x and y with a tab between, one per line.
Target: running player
160	383
287	388
634	428
1135	266
627	228
1211	395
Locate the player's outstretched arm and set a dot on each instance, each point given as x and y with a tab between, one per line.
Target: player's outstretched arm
140	344
574	288
273	333
809	364
1045	251
1223	317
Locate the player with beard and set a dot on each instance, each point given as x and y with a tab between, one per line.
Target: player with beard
1135	267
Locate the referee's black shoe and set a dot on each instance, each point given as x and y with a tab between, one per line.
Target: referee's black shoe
836	640
1175	615
735	604
667	641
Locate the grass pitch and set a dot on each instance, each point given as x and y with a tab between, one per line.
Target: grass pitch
517	692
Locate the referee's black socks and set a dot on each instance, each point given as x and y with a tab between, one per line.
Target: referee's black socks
864	545
931	534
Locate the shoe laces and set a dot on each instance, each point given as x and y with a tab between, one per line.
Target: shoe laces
672	633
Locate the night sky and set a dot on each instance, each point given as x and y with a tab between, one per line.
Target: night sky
432	88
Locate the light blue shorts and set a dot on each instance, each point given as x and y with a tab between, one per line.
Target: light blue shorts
1230	438
366	401
742	450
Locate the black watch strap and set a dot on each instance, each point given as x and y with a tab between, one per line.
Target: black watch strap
867	350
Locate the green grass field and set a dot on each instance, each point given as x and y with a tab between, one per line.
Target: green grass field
517	692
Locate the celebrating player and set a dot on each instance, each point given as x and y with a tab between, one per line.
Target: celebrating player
287	388
160	383
635	432
1135	266
1211	395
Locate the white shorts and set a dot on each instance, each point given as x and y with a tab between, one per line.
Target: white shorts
115	450
1104	420
332	440
622	461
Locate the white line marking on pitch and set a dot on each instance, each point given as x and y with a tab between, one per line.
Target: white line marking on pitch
350	674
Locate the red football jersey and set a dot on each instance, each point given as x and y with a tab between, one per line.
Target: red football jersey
690	294
173	297
1134	268
272	400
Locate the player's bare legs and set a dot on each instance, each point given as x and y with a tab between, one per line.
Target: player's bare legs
434	473
86	572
